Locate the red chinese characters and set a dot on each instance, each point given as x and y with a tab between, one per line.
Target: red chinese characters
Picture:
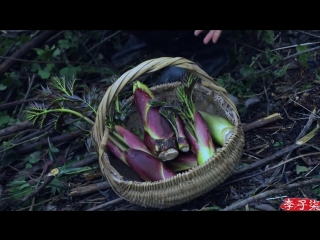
300	204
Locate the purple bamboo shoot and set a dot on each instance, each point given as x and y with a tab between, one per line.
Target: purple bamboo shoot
196	129
159	136
178	127
132	140
145	165
202	144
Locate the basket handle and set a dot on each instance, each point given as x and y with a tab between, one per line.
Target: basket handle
100	133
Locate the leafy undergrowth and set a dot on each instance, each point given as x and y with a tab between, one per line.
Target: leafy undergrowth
269	72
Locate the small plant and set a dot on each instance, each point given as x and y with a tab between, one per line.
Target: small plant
60	98
303	57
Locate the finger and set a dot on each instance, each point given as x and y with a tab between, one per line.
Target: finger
209	37
216	35
197	32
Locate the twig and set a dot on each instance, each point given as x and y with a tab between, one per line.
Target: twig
12	104
33	136
54	38
104	40
85	47
92	188
9	50
34	198
267	97
310	34
67	137
307	126
26	95
261	122
269	169
15	128
45	201
16	31
279	190
85	162
295	45
25	49
38	61
105	205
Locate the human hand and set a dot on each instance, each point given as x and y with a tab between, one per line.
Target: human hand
213	35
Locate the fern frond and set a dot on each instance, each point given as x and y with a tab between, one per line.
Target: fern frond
71	86
34	112
59	84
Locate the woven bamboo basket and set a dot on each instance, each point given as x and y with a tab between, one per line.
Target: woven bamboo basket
183	187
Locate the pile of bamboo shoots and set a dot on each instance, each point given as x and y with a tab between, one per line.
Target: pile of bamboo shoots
177	136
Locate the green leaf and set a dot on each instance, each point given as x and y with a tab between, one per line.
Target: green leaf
48	67
6	145
304	56
54	149
43	74
67	34
53	190
278	144
74	71
221	82
56	186
73	170
4	118
259	33
300	169
281	72
301	48
64	71
316	190
50	155
246	70
23	186
64	44
39	51
268	37
56	52
100	56
33	157
16	183
211	208
2	87
34	160
28	165
274	59
70	71
35	67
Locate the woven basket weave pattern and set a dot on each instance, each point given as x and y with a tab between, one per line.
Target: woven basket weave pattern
209	97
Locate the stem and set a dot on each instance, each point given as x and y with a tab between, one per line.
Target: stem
67	111
117	103
67	99
119	137
116	143
95	112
